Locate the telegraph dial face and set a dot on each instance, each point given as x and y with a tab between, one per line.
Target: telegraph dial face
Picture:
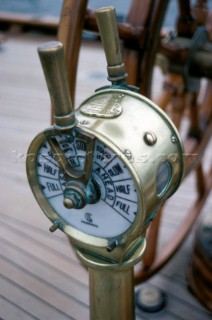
114	212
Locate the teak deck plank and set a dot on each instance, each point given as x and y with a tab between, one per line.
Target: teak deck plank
40	276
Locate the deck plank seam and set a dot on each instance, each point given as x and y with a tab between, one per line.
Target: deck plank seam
18	307
62	239
41	244
182	301
35	296
47	265
50	285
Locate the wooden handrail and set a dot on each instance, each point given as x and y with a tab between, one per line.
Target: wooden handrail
47	22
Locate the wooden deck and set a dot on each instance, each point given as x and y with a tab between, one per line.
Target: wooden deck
40	277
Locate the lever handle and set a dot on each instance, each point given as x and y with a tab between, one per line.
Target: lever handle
107	24
53	62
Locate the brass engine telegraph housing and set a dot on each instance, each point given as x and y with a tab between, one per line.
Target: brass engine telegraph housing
103	170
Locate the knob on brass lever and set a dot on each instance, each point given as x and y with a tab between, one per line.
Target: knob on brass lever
107	24
53	62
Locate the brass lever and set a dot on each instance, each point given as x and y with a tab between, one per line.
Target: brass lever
53	62
107	24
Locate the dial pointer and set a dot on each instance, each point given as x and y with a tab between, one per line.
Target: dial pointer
64	165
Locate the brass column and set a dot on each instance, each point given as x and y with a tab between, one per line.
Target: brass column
111	286
111	294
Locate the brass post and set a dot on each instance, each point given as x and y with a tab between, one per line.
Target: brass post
111	294
111	285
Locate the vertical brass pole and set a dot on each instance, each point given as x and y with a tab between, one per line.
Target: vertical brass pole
111	286
111	294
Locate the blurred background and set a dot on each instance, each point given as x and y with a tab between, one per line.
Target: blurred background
41	8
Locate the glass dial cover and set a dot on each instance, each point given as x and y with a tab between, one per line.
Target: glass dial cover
116	210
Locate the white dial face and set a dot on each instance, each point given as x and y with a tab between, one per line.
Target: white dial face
116	210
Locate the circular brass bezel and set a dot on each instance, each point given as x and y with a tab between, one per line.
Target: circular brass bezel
131	233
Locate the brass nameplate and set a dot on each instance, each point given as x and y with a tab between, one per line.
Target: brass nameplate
103	106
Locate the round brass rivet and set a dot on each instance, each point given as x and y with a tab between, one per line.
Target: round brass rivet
173	139
128	154
150	138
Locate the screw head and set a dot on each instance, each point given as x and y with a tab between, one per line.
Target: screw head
150	138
